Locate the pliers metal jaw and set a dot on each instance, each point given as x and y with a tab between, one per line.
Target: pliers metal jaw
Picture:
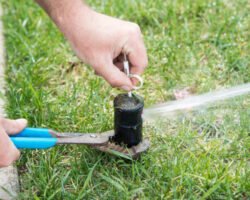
42	138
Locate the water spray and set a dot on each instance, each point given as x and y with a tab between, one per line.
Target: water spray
193	102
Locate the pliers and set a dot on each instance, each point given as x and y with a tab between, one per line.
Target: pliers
43	138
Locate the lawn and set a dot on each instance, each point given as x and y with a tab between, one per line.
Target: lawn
200	44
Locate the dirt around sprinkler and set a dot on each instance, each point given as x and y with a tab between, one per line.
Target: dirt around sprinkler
123	101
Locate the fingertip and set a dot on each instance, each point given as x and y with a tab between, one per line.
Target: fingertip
126	88
22	122
117	78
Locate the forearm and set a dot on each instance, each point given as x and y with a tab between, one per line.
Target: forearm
64	12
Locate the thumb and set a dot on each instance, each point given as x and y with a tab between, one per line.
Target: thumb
13	126
115	77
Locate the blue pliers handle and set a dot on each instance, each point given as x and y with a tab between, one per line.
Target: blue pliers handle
34	138
43	138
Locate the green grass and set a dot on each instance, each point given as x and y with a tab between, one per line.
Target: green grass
201	44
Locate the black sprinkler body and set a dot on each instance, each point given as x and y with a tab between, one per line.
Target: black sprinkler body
128	120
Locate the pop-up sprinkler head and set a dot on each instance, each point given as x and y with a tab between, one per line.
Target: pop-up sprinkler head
128	120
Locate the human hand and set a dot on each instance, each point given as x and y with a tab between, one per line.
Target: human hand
100	40
8	152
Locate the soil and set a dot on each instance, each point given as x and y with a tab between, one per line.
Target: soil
123	101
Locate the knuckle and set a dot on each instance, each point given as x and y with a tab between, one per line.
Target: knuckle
135	29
